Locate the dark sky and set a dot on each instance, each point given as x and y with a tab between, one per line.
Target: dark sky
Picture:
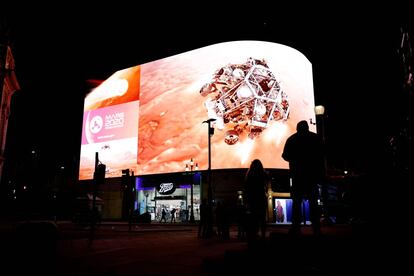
357	71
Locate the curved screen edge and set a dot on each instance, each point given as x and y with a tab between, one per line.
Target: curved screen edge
256	91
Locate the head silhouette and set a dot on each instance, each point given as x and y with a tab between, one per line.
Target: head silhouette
302	127
256	165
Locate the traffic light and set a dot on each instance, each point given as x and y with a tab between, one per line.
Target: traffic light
99	174
125	179
125	172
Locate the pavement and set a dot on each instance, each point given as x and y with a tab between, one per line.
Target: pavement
116	248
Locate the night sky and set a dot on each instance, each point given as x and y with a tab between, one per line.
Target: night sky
357	70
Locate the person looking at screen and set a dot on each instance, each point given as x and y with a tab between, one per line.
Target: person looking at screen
202	226
305	154
256	181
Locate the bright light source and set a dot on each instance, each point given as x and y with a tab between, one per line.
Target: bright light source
244	150
319	110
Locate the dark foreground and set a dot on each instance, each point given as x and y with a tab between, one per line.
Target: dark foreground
158	249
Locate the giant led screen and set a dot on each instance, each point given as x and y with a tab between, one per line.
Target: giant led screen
149	118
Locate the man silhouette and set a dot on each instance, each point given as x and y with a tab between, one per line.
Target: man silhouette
173	215
304	152
163	215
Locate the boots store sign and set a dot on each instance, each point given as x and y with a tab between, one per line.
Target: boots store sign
166	188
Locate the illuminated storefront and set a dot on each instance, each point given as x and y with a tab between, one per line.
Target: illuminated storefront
153	194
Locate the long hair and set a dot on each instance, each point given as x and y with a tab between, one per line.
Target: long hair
255	173
256	181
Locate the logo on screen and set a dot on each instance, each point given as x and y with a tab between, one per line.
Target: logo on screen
166	188
96	124
114	120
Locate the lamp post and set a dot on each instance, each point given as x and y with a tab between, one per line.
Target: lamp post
98	179
320	113
190	168
320	118
209	210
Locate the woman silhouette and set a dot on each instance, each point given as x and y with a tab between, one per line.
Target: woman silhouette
256	182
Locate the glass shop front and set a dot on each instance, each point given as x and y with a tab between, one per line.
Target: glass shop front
173	198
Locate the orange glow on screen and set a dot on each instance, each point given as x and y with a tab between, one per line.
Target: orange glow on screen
257	91
121	87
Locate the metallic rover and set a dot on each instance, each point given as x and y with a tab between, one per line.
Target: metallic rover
244	98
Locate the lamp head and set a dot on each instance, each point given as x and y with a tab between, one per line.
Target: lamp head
319	110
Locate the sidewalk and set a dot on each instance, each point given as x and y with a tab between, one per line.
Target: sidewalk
161	249
144	251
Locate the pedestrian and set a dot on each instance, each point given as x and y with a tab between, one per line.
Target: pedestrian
163	215
256	182
173	210
305	153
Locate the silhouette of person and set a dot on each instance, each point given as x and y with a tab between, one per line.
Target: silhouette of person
222	221
305	154
280	216
202	227
173	210
241	220
163	215
256	181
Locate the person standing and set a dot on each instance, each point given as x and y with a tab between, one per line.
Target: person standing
304	151
163	215
202	226
256	181
280	215
173	210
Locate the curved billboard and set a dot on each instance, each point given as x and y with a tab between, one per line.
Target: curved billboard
149	118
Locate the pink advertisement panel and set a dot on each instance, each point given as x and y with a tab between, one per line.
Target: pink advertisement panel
110	123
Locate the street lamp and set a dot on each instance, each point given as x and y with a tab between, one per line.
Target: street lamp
320	117
209	212
190	168
319	112
98	179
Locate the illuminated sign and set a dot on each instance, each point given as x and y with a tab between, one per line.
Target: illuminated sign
166	188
